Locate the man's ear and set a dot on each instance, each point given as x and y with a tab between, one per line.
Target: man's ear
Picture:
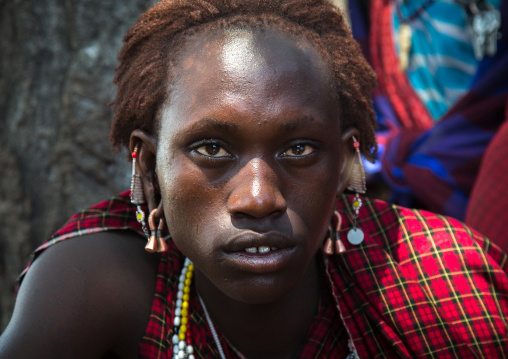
145	165
347	154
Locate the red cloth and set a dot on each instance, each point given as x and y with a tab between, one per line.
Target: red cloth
419	286
411	112
487	210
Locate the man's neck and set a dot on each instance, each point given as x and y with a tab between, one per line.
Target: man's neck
273	330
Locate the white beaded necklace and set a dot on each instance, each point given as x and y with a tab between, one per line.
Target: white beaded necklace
181	348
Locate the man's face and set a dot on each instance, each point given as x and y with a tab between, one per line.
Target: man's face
248	160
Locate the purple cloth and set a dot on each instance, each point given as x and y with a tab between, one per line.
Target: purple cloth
436	169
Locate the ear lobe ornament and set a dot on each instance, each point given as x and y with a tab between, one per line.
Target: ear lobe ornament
156	243
333	243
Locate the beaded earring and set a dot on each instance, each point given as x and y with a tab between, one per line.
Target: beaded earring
357	184
137	194
333	243
156	243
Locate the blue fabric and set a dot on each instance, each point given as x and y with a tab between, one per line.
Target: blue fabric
442	63
435	169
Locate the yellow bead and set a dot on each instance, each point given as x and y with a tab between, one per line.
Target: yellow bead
188	282
186	290
184	312
181	336
186	297
185	305
183	328
356	203
191	267
185	320
188	275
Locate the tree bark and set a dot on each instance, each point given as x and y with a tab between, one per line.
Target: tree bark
57	60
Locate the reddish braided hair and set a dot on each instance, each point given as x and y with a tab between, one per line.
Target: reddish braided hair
152	44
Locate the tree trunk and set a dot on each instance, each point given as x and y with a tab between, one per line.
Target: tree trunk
57	60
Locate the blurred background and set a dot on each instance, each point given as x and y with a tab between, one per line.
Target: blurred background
57	60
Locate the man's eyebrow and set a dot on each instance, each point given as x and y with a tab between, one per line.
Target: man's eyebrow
296	124
209	123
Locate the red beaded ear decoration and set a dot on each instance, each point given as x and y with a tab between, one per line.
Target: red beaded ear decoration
333	241
137	194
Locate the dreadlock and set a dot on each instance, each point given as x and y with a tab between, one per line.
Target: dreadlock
152	44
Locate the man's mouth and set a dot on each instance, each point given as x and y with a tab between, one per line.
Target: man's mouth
258	243
255	252
260	249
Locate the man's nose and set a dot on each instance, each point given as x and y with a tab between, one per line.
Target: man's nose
256	192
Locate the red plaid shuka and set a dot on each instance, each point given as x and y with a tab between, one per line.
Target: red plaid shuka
419	286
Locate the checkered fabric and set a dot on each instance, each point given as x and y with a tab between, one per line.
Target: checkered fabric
419	286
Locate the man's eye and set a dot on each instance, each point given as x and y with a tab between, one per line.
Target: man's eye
299	150
212	150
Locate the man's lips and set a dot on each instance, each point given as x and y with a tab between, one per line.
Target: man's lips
253	242
260	253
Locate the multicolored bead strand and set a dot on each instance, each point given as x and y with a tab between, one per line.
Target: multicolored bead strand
355	235
182	347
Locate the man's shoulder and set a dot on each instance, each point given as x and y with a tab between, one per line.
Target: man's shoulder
97	283
113	214
415	264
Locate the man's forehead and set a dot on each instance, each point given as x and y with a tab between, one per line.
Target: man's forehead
247	54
